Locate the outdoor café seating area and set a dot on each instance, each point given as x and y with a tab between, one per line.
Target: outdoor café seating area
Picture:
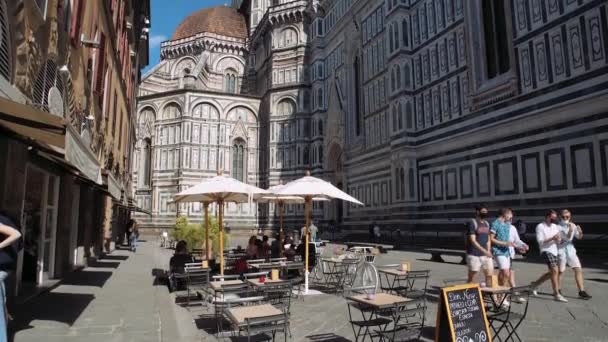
379	301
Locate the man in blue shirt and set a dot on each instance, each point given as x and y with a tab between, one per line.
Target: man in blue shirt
499	236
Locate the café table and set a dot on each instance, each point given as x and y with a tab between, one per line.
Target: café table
375	312
258	318
268	282
495	296
396	280
333	272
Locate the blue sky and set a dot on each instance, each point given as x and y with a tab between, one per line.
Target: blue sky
166	16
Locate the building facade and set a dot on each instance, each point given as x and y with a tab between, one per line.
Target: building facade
69	74
419	108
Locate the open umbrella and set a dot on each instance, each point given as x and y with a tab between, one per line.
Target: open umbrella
280	201
219	189
311	187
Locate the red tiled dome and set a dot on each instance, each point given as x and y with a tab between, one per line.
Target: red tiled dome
222	20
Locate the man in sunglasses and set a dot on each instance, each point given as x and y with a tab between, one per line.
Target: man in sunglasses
567	252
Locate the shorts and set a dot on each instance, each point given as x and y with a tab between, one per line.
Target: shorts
550	259
503	261
571	260
476	263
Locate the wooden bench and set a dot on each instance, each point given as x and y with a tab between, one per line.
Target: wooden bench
437	252
381	247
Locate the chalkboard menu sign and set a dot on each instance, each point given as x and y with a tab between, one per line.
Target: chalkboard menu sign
461	315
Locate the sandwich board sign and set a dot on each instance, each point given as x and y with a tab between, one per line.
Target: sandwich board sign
461	315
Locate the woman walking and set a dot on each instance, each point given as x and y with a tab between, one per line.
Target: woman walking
134	236
9	249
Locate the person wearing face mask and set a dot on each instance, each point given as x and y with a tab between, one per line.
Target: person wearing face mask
519	246
567	252
548	236
479	255
499	235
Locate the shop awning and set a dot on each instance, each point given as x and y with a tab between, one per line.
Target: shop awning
31	124
79	155
114	187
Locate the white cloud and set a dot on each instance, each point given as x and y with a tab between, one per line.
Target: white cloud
156	40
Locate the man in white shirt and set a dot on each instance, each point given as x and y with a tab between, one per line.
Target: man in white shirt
567	252
312	231
549	237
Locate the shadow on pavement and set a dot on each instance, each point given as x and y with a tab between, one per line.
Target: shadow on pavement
329	337
115	257
52	306
88	278
103	264
599	280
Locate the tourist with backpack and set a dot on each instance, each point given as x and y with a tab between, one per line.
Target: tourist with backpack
478	245
9	249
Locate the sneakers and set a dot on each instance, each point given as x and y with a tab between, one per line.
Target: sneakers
559	298
535	293
584	295
519	300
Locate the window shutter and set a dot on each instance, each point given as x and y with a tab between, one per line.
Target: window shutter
77	12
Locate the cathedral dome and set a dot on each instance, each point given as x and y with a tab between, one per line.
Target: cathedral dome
222	20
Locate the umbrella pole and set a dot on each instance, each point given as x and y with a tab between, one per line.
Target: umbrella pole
281	227
308	199
207	251
221	222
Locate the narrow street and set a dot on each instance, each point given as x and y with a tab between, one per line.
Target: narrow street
114	300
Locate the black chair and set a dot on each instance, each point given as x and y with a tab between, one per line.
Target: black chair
370	318
197	282
508	315
255	275
231	296
412	287
409	318
278	294
254	327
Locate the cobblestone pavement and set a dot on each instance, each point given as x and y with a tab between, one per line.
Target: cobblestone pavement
118	300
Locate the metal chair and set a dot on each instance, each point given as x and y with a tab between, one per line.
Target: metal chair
509	317
254	275
409	318
267	325
277	259
231	296
226	277
369	319
197	281
409	289
349	273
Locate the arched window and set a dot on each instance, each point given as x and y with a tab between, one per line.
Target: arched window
230	81
397	183
402	181
358	112
411	182
400	116
398	76
409	120
238	160
305	156
396	35
5	55
286	107
48	89
320	154
172	111
146	165
288	37
391	45
393	83
406	76
320	127
320	97
395	124
406	33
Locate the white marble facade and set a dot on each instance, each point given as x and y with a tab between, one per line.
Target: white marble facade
412	106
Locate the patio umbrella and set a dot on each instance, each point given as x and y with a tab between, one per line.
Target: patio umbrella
310	187
281	200
219	189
